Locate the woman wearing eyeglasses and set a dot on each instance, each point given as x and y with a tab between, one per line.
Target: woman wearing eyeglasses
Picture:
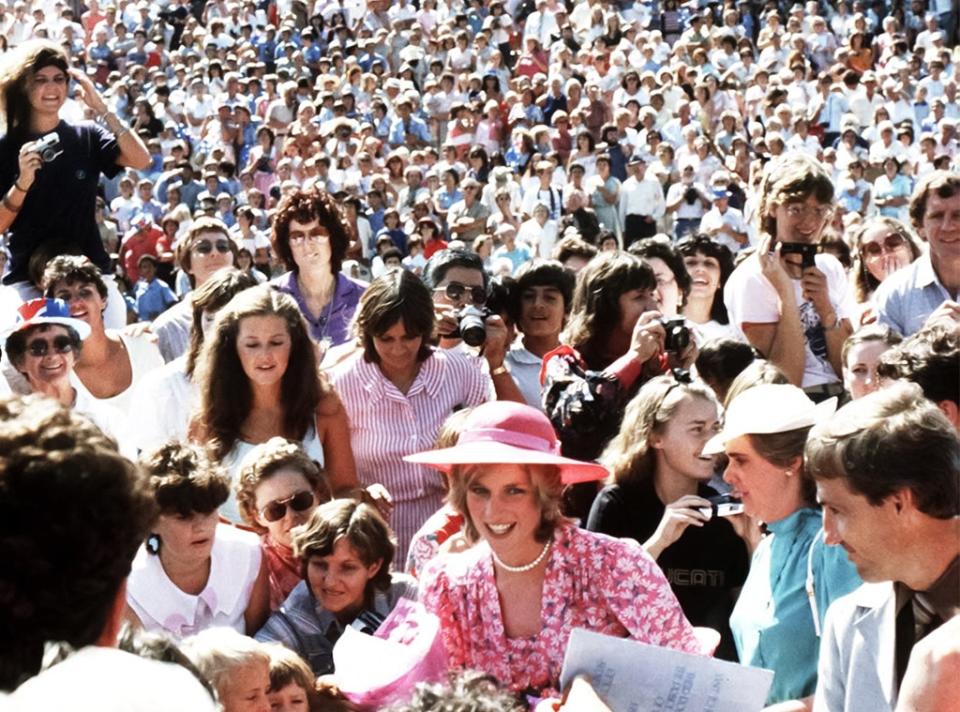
310	238
279	488
258	379
192	572
43	347
881	246
398	391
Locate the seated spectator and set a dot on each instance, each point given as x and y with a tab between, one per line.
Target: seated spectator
660	482
112	363
193	573
237	667
905	301
345	551
861	355
66	587
279	488
152	294
548	575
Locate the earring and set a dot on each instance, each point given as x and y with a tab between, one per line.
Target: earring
153	544
788	473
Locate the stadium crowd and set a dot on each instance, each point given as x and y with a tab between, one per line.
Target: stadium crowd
508	317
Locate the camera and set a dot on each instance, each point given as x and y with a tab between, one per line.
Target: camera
678	335
806	251
48	147
690	195
471	325
723	505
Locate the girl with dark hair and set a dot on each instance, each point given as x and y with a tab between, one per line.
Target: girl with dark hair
53	192
258	379
398	392
193	572
659	482
345	551
709	265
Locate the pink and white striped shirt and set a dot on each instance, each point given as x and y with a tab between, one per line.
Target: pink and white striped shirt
386	425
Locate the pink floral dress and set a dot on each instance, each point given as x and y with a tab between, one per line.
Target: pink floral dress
593	581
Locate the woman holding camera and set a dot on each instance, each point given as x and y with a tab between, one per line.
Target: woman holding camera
398	391
52	191
658	495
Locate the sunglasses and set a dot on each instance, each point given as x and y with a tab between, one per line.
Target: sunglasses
205	247
456	291
41	347
277	509
890	243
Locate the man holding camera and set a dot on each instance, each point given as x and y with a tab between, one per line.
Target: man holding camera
687	200
792	303
460	290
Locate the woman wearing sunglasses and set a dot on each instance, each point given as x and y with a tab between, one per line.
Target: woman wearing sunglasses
399	390
207	248
43	347
279	488
311	237
881	246
193	572
112	362
258	379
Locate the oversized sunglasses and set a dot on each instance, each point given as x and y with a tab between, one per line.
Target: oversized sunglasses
890	243
205	247
455	291
277	509
41	347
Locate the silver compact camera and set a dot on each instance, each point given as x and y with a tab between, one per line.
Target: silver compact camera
724	505
48	147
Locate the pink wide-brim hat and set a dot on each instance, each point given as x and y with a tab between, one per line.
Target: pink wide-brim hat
503	432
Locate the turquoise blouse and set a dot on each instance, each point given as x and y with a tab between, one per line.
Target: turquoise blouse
773	622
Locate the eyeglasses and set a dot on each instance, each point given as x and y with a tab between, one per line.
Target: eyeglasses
876	248
456	291
802	211
41	347
205	247
314	235
277	509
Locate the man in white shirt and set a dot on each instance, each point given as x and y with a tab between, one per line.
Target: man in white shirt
865	102
641	202
725	224
544	192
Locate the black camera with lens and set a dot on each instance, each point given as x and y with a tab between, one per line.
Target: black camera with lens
678	335
48	147
471	325
806	251
690	195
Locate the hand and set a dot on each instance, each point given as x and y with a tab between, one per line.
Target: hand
947	314
88	92
648	336
495	347
29	162
139	329
579	697
447	321
676	518
892	262
816	291
378	496
687	357
747	528
772	268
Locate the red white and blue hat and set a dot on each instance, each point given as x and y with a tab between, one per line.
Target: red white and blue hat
47	311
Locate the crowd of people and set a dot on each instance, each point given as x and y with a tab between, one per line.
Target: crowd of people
524	316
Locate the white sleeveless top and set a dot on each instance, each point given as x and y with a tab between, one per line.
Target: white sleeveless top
159	604
232	462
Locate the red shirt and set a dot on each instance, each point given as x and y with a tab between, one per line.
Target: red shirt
432	246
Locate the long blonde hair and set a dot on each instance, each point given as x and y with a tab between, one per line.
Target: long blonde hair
629	455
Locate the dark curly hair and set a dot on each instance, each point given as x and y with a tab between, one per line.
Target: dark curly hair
397	295
700	243
73	512
595	311
184	480
226	396
72	269
306	206
19	67
466	690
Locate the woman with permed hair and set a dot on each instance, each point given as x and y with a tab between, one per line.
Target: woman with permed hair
193	572
311	238
53	191
258	379
345	550
398	391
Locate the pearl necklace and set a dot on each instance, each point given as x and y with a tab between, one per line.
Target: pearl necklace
526	567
